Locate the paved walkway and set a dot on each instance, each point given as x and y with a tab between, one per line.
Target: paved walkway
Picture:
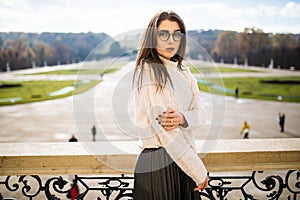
57	120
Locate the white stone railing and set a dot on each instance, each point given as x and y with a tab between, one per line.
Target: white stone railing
75	158
21	159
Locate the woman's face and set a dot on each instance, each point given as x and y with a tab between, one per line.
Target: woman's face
168	38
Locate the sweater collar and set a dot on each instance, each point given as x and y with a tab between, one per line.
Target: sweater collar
168	63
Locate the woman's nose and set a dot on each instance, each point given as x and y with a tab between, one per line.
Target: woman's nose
171	39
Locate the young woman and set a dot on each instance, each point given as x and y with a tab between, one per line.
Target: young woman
168	115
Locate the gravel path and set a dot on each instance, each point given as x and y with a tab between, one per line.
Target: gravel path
57	120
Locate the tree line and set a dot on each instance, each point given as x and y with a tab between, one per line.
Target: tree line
252	47
24	50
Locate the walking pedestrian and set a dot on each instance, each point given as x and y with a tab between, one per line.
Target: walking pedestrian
73	139
245	130
281	121
236	91
94	133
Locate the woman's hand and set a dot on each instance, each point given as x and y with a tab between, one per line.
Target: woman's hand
170	119
202	185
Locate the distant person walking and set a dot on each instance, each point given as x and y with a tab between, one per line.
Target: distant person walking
281	121
245	130
94	133
236	92
101	76
73	139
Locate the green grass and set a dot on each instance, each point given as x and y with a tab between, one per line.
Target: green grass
268	88
88	68
218	69
236	70
75	71
200	67
82	87
32	91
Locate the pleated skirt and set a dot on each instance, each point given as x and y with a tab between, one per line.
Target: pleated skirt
158	177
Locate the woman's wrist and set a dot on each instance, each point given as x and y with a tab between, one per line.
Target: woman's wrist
182	121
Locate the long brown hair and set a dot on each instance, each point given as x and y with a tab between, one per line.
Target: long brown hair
148	52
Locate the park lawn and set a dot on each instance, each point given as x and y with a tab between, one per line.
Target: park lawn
267	88
32	91
88	68
82	71
201	68
237	70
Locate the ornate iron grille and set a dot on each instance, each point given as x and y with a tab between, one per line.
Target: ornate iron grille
258	185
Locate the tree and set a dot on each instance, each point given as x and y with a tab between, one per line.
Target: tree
226	46
286	50
284	40
2	59
63	53
199	41
255	46
115	49
18	54
44	52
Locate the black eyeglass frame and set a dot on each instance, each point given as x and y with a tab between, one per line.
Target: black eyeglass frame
168	37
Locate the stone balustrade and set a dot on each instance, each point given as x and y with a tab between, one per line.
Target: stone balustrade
94	157
111	158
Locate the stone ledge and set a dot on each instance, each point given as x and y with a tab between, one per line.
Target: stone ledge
120	157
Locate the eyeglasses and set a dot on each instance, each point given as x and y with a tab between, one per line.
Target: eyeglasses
165	35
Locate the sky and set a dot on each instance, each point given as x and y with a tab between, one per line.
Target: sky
115	17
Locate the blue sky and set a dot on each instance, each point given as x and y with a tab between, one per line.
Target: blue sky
117	16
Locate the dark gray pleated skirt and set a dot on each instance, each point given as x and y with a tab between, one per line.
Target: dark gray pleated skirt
158	177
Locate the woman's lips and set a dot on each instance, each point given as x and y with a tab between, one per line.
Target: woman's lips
171	49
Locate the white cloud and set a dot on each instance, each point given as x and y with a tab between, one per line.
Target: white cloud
110	17
268	10
282	28
13	13
270	18
291	9
15	4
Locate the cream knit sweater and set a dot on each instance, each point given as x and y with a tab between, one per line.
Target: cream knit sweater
184	98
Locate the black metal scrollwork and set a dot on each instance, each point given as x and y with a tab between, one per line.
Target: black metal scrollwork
258	185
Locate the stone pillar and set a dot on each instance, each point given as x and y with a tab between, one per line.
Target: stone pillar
33	64
271	63
7	67
246	62
235	60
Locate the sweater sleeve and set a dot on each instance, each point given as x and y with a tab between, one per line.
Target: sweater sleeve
196	115
149	104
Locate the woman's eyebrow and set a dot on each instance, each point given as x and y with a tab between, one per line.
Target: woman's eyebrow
163	30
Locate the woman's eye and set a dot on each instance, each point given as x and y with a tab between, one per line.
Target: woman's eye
163	34
177	35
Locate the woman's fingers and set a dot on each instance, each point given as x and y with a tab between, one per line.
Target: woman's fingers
202	186
168	128
199	187
169	119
